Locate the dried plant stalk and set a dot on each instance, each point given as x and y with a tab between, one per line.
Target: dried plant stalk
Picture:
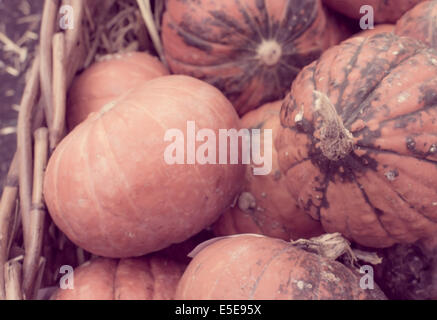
39	276
33	251
149	20
24	144
59	90
48	27
74	47
12	276
7	208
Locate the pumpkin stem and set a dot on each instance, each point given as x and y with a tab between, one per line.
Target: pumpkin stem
333	245
269	52
336	141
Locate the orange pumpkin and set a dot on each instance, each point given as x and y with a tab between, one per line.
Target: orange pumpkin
419	23
358	145
111	190
378	29
256	267
106	80
264	206
251	50
147	278
385	11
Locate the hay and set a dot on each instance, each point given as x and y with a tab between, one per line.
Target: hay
28	260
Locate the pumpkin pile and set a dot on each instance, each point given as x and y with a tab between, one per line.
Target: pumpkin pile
346	123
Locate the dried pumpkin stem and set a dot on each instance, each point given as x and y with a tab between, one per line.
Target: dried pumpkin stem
330	246
33	251
336	141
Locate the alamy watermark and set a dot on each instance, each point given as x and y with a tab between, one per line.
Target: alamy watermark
367	281
67	280
67	17
232	146
367	21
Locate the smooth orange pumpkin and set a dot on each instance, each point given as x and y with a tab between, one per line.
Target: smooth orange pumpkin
420	23
359	144
251	50
257	267
385	11
106	80
148	278
264	206
109	188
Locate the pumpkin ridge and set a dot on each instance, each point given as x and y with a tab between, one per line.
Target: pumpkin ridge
195	39
249	19
402	116
349	120
91	188
229	63
56	181
122	175
263	9
228	23
377	150
287	18
266	265
288	66
296	163
377	212
323	189
142	108
352	63
220	275
418	210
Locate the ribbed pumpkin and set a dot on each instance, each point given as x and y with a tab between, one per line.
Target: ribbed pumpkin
111	190
107	79
147	278
420	23
359	144
378	29
385	11
264	206
247	267
251	50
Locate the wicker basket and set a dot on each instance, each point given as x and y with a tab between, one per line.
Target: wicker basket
31	248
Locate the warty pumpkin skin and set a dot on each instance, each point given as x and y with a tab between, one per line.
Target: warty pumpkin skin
363	159
106	80
147	278
251	50
247	267
264	206
377	30
420	23
385	11
108	187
